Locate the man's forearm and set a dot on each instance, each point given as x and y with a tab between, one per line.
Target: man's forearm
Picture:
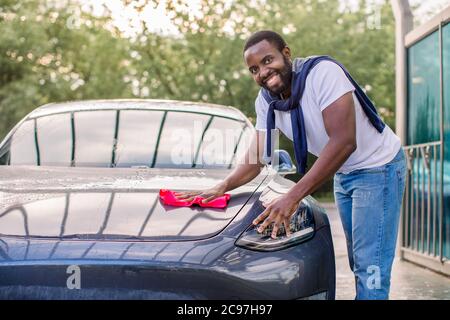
330	160
248	167
340	125
241	175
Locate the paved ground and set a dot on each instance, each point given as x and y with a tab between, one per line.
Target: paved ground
409	281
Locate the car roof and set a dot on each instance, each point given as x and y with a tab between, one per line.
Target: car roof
138	104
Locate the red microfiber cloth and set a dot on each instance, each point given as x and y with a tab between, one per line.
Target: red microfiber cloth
168	198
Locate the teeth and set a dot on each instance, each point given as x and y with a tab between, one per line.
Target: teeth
271	79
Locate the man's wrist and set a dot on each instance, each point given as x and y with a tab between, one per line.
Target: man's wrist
294	195
224	185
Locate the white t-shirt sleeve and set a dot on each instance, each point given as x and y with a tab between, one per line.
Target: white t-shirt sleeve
261	112
328	82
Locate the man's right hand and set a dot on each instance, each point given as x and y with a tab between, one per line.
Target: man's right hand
207	194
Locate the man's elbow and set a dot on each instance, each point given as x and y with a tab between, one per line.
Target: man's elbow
350	145
347	145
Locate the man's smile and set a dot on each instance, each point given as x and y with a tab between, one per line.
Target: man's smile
272	80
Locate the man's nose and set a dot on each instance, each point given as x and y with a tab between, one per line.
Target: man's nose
263	73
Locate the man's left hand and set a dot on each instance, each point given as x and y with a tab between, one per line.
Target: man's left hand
278	212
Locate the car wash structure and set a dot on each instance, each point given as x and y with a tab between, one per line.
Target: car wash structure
423	124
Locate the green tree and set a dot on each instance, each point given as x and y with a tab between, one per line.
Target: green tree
50	54
54	51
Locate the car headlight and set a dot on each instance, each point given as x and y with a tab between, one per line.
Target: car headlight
301	226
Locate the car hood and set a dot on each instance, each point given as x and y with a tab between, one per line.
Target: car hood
111	203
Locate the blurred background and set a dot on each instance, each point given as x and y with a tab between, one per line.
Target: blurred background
53	51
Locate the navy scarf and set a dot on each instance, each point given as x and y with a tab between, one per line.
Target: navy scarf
301	69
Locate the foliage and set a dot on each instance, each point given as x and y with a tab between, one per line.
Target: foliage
51	52
54	51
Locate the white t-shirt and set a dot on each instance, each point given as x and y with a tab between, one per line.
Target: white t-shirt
325	84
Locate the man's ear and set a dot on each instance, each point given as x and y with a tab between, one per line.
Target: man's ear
286	52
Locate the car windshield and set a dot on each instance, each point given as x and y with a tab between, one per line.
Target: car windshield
128	138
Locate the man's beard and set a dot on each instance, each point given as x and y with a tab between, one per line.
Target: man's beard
285	76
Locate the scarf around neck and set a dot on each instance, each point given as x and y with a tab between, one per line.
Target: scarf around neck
300	70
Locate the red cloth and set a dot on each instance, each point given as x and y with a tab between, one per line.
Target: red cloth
168	198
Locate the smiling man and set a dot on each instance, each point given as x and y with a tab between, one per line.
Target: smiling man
317	104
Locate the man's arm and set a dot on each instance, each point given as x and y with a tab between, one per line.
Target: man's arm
249	166
245	171
340	124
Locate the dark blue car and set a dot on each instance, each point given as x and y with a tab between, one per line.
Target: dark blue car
80	215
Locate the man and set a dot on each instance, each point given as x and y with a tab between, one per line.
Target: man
317	104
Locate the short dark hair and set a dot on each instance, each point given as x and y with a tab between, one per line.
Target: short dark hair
271	36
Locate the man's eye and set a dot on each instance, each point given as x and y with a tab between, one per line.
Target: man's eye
253	70
268	60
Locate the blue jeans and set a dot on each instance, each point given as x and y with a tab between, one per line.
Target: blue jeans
369	202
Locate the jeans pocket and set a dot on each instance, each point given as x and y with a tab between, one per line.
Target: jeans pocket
380	169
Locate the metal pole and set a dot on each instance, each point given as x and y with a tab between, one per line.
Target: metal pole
405	211
427	155
435	191
441	79
422	202
417	190
412	202
403	24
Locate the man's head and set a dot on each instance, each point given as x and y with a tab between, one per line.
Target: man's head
268	59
